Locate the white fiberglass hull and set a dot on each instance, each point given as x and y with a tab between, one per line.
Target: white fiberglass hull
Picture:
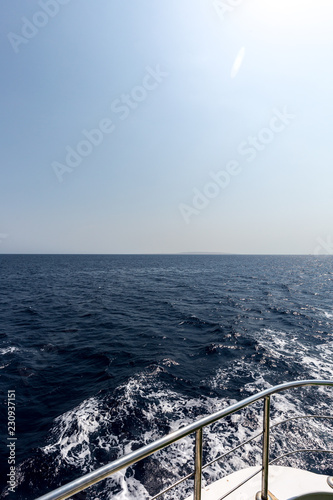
285	483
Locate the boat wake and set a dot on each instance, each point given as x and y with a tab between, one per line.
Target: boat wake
111	425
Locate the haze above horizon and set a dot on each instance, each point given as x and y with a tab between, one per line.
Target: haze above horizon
149	127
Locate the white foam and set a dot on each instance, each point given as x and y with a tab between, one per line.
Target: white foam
320	367
8	350
169	362
73	430
131	488
276	343
79	432
326	314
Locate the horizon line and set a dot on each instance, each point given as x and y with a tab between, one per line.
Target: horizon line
168	253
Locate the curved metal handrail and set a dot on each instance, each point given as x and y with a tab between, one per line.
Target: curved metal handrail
98	475
297	417
301	450
217	459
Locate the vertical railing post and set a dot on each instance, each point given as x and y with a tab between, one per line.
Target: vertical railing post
265	450
198	464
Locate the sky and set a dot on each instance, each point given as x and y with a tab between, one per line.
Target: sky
153	126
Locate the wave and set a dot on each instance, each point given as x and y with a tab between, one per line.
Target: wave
110	425
108	353
8	350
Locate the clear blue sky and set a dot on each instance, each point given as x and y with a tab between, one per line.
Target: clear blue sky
215	126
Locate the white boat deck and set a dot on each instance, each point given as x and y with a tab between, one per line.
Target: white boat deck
285	483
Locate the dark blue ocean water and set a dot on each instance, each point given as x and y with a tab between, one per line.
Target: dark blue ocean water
107	353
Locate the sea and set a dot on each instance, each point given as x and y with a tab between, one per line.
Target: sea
106	353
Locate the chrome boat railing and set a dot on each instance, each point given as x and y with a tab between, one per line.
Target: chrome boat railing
98	475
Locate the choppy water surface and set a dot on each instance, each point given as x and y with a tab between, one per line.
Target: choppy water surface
107	353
